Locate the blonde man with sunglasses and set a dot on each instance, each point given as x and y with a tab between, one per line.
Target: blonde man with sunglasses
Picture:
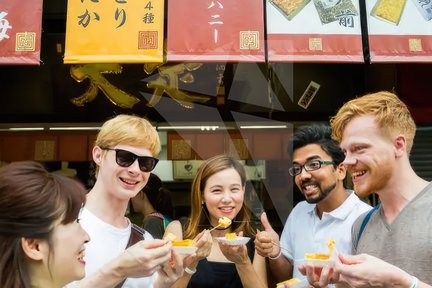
124	154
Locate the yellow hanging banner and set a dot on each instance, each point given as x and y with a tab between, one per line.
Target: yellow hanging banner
114	31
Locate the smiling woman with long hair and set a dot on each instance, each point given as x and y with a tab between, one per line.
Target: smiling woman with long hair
41	241
218	191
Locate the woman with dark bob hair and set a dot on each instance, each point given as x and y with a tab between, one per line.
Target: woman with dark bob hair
41	241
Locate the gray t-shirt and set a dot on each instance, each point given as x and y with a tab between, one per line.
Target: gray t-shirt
406	242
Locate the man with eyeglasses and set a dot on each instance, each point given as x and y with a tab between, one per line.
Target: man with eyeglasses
327	213
124	153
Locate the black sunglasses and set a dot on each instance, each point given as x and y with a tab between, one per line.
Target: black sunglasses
126	158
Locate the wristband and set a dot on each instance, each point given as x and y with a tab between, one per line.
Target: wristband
280	253
414	282
189	271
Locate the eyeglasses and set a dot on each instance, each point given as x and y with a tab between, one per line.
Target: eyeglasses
308	166
125	158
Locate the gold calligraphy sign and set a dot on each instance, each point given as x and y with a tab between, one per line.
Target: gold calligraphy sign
166	83
99	82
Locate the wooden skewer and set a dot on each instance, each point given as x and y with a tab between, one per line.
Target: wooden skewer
281	247
214	228
220	225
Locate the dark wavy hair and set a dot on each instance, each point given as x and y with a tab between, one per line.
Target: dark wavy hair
31	201
158	196
319	134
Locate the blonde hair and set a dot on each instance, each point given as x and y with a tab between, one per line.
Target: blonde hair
391	115
128	130
199	219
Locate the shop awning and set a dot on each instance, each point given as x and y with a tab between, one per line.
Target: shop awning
400	30
314	31
20	32
215	30
117	31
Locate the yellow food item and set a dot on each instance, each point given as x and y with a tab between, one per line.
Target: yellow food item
316	256
330	245
289	6
291	281
170	236
230	236
390	10
186	242
224	222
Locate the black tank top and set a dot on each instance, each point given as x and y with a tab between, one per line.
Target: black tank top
219	274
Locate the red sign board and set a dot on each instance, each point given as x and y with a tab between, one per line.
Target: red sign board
20	32
215	30
314	31
400	30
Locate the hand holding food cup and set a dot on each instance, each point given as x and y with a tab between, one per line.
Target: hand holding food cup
144	258
203	241
234	253
170	271
319	267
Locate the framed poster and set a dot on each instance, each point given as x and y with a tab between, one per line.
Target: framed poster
185	169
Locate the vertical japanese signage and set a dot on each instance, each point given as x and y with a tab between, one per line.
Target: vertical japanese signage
314	31
215	30
20	32
114	31
400	30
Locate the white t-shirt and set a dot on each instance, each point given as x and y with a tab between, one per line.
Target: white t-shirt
106	242
305	232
